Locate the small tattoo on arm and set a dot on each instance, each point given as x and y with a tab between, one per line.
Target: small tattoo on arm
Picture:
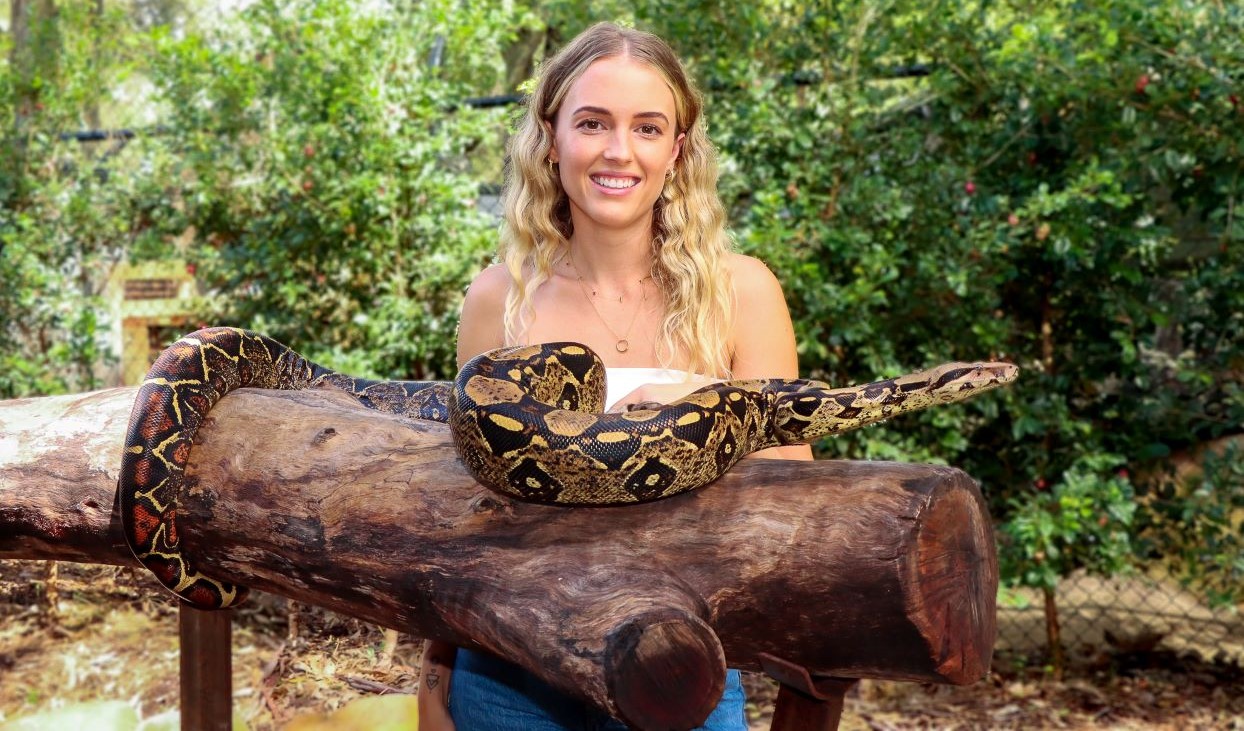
433	679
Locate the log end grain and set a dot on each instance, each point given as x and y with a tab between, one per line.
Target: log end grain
665	670
954	576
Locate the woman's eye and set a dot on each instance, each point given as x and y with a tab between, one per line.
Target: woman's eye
650	130
592	125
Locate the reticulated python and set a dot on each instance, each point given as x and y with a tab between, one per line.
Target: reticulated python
526	422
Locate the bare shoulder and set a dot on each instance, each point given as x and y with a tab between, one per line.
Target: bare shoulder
753	281
485	297
763	339
492	283
482	324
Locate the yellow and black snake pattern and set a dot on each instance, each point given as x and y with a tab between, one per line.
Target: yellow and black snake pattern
527	422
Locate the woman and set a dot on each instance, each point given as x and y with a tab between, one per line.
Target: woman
614	237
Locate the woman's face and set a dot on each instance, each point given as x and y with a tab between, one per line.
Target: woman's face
614	139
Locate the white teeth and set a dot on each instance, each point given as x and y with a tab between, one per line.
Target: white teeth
618	183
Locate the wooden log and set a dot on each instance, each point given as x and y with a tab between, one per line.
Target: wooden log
848	569
59	459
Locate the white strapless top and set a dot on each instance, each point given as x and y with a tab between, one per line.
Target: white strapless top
622	381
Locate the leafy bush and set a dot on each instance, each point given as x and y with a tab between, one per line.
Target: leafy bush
1084	520
324	164
66	213
1198	527
1059	186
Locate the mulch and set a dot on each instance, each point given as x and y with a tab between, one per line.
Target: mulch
113	636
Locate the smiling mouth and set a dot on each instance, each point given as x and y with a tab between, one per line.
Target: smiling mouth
614	183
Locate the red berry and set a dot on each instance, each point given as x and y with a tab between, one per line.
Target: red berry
1040	483
307	185
1141	83
969	187
191	268
1012	219
1123	472
308	151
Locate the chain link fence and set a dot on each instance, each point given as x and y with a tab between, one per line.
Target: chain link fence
1121	614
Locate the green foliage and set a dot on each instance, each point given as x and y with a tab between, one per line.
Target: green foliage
1058	185
1199	526
1059	188
109	715
103	716
66	212
1083	520
324	165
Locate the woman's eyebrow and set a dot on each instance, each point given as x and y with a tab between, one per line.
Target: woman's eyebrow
606	113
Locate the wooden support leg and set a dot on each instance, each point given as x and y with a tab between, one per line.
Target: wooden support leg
805	703
206	669
797	711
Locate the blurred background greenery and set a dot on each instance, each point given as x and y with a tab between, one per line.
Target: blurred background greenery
1057	184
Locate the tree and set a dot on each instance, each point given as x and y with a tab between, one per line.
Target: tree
952	180
1059	186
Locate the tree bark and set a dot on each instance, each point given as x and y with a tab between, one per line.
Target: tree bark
850	569
34	60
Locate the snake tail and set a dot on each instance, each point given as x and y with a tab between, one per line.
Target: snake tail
185	382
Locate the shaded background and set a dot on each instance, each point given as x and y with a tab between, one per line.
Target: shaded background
1057	184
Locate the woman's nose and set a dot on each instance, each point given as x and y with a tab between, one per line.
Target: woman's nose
619	147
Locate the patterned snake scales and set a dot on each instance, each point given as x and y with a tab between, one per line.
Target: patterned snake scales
526	422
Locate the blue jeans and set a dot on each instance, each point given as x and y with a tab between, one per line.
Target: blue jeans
486	694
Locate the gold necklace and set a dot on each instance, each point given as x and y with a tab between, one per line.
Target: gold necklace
622	344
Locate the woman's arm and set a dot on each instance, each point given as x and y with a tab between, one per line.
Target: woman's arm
481	328
482	325
434	671
763	337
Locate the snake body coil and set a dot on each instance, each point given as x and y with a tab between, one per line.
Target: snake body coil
526	422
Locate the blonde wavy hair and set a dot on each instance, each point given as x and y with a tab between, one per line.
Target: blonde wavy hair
690	243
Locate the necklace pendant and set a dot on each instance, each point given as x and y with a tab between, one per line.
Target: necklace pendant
623	345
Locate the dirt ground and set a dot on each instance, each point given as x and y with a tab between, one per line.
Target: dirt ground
114	637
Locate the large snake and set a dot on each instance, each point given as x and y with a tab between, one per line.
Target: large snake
526	422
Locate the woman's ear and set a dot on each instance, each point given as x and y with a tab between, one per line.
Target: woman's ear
548	127
677	148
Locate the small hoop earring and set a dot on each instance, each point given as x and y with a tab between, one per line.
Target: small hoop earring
552	168
669	174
